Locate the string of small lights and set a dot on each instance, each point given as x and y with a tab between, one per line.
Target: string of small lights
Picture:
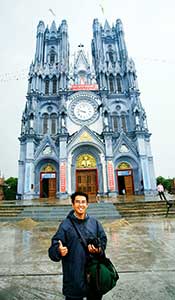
23	73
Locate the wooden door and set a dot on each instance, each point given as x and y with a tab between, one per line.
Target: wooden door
86	181
52	187
128	185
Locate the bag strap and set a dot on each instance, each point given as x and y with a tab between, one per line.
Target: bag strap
81	238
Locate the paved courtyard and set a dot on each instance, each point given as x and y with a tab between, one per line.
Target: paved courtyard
142	249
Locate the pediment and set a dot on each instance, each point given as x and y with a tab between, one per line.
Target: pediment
81	61
46	148
85	136
124	146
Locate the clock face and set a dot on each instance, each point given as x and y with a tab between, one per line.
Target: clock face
83	108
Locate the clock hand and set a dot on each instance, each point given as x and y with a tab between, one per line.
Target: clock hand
82	110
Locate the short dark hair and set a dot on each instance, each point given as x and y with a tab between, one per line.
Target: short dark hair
78	194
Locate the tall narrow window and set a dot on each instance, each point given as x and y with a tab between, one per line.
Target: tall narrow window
31	118
111	83
111	54
123	119
54	85
119	86
105	83
115	123
52	57
53	123
47	86
82	77
111	57
45	123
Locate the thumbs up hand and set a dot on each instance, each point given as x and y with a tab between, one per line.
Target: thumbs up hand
62	249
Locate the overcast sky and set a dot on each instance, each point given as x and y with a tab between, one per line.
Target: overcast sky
149	27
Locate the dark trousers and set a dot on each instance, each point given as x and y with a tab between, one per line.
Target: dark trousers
68	298
92	296
161	194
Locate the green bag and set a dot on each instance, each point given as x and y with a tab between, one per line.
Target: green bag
101	275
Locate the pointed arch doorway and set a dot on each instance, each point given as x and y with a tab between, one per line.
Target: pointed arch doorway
125	179
86	175
48	182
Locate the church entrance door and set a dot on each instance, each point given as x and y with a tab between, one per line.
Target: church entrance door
48	185
86	181
125	182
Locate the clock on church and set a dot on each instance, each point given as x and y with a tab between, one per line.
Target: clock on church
83	108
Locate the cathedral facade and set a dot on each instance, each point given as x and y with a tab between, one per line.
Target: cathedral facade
83	127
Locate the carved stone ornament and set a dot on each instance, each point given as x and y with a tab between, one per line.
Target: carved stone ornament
86	161
123	149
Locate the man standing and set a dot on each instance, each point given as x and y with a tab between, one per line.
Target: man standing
160	190
66	246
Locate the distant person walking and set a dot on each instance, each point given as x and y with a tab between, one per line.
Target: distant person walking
160	190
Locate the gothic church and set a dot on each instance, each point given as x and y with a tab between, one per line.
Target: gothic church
83	127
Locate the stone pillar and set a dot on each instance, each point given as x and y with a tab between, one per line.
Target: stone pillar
63	167
29	170
111	190
146	164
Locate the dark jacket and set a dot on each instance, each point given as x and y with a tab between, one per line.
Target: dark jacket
74	284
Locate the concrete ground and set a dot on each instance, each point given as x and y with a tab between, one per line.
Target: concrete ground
142	250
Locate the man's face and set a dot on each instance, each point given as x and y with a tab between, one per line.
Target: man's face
80	206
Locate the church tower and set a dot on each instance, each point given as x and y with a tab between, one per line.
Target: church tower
83	126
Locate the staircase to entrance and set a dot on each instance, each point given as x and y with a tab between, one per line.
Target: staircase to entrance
50	212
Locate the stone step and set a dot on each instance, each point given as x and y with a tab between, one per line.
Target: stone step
136	209
102	210
141	204
9	215
10	211
141	208
59	212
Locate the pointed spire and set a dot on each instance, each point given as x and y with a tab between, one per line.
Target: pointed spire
96	25
107	26
122	45
53	27
47	32
40	27
119	25
64	27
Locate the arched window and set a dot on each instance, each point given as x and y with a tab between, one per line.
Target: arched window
115	123
31	118
45	123
52	57
123	165
81	77
111	54
47	86
123	119
119	86
53	123
111	83
54	85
